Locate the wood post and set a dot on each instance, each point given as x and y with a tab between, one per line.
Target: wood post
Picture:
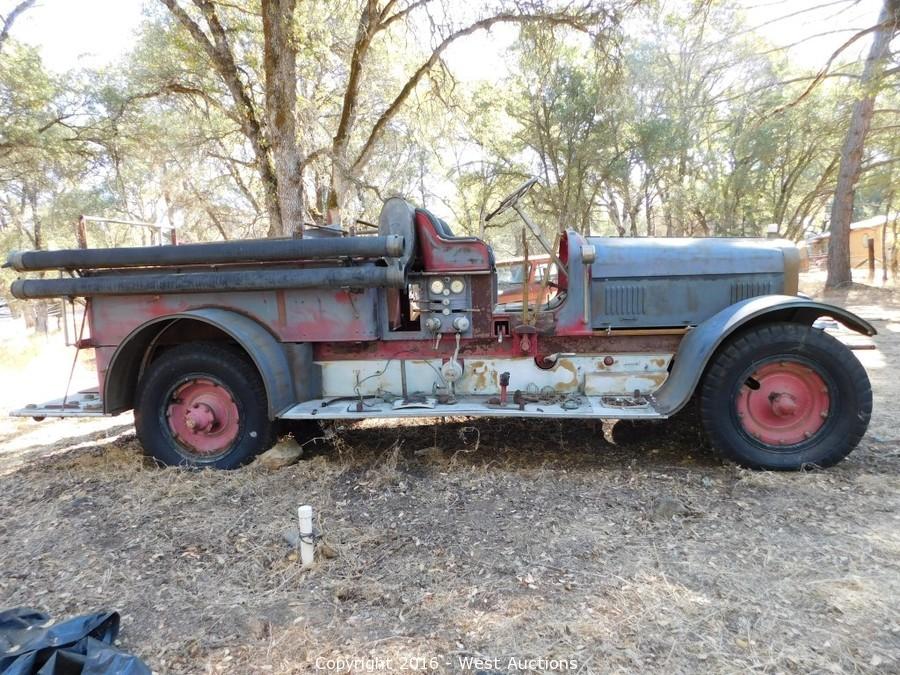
870	242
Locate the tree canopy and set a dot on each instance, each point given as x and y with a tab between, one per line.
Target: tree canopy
265	117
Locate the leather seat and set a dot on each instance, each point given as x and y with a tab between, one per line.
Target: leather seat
443	227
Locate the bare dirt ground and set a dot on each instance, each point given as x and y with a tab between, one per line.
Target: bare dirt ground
547	543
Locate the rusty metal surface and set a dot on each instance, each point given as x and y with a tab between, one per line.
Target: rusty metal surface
457	254
482	302
86	403
210	281
597	407
102	357
647	282
601	344
573	315
293	316
237	251
260	345
479	375
623	257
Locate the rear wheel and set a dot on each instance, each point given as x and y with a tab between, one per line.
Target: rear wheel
203	405
784	396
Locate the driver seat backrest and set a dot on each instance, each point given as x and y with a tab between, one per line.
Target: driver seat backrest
441	251
444	228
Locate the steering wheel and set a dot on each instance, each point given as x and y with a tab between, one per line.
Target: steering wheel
513	198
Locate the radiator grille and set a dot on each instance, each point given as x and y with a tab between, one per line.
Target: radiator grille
623	300
741	290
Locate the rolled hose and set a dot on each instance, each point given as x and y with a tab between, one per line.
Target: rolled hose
242	251
204	282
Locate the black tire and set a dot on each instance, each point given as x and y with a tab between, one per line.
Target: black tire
226	368
849	396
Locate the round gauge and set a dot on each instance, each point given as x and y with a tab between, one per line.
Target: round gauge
446	291
437	286
457	286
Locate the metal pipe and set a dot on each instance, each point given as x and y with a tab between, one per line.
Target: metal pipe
242	251
367	276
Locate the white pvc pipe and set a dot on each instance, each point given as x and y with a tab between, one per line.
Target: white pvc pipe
307	539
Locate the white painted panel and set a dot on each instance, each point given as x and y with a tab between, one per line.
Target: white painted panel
584	374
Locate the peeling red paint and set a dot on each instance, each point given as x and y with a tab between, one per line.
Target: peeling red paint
491	348
303	316
458	254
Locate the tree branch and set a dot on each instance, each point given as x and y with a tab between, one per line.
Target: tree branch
11	19
556	19
824	72
399	14
368	25
186	90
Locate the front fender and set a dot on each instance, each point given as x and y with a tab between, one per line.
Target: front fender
701	343
261	346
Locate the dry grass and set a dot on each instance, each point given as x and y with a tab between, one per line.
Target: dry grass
493	538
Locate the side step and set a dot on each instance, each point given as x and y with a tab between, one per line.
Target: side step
611	407
83	404
89	404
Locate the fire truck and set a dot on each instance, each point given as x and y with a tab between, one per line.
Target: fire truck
218	347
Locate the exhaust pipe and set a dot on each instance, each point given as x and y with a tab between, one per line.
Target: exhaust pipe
206	282
217	253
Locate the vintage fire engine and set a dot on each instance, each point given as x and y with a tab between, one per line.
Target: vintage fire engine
219	346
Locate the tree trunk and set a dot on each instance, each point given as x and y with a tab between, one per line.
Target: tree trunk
839	272
337	193
280	59
884	228
894	261
218	49
39	309
648	211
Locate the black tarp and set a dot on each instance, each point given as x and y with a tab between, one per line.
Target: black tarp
32	644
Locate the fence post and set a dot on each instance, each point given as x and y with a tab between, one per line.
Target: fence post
870	242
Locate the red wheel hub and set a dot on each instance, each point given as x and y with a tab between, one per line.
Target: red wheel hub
203	417
789	406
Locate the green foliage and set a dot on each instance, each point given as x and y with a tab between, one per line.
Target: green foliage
659	124
671	130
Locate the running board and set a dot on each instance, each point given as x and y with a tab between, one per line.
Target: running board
83	404
89	404
610	407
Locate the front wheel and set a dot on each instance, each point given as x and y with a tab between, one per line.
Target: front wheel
784	396
203	405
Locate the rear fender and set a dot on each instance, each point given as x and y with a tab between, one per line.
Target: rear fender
266	352
702	342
